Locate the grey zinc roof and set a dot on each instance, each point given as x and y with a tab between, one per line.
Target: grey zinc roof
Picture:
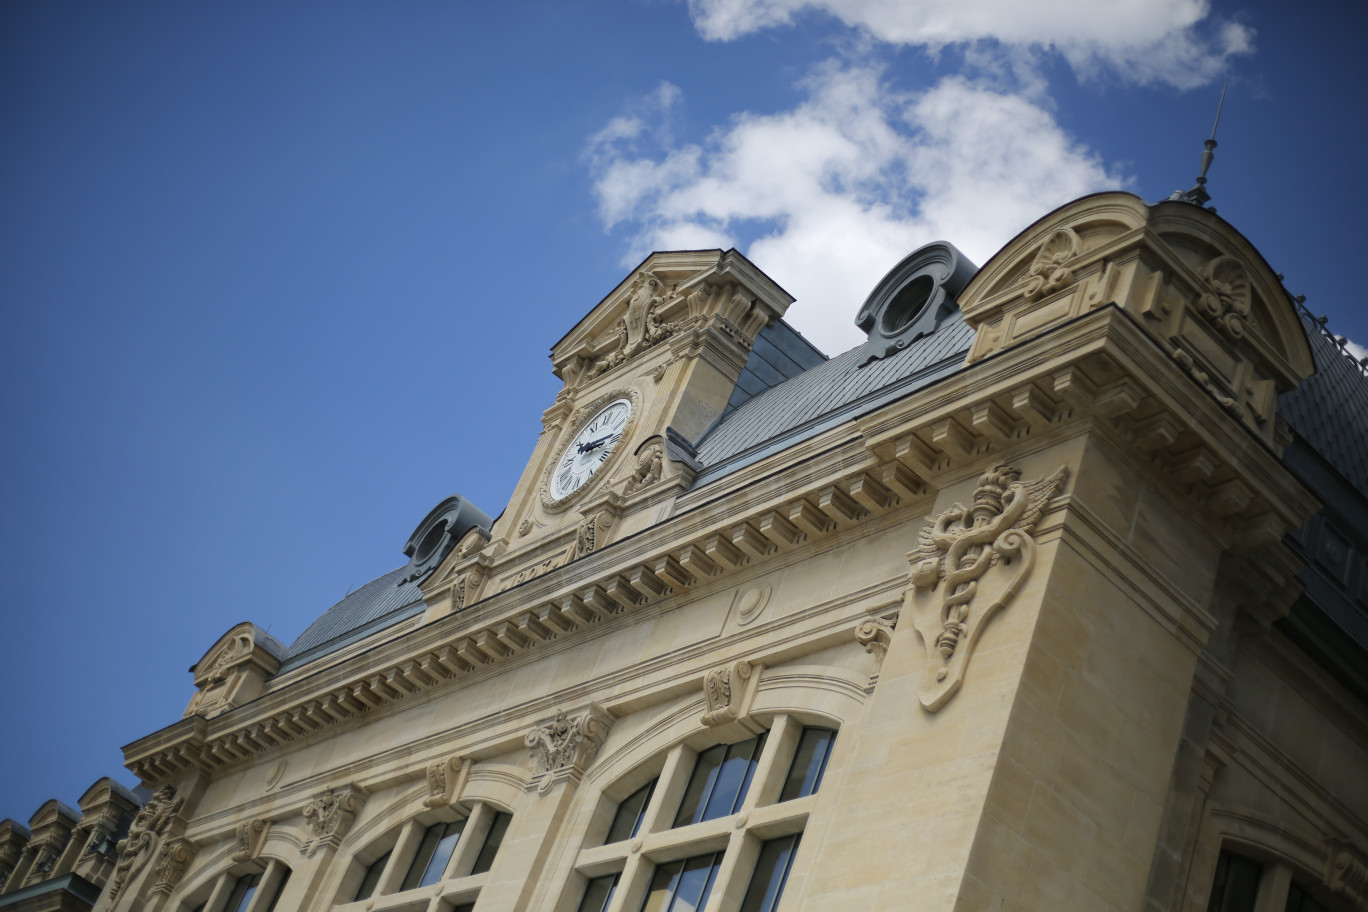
383	601
829	393
1330	410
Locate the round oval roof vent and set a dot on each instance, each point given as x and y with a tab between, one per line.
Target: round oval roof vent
439	532
913	299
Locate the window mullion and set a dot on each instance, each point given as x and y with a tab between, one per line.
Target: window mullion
729	886
218	897
1274	884
401	857
632	885
774	762
472	839
265	891
674	779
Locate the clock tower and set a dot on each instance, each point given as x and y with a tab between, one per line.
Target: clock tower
646	372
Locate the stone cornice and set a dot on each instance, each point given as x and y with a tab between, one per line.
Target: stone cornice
1097	372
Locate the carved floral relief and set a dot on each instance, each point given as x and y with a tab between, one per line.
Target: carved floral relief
1049	270
641	327
565	745
148	825
723	688
329	815
982	553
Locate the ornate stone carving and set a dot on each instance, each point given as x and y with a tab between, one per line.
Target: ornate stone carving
961	546
148	825
172	860
1049	270
445	779
330	815
724	690
592	532
1205	380
251	836
875	635
1346	872
649	467
563	747
233	671
1227	303
641	328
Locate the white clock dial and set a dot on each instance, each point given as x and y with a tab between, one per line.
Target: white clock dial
590	449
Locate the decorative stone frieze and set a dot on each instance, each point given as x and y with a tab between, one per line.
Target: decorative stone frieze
251	836
148	826
1346	872
960	546
725	691
564	746
330	814
173	858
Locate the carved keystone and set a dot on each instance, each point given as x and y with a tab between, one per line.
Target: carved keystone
251	836
446	779
728	690
172	860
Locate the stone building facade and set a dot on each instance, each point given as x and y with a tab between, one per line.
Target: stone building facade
1050	595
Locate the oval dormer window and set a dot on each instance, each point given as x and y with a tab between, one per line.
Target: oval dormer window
428	546
907	303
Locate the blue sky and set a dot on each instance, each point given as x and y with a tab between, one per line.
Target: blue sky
278	277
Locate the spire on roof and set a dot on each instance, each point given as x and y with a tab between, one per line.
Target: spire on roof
1198	195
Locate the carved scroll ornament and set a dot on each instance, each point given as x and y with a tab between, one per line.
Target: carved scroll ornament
1347	872
1227	303
330	815
148	825
445	779
172	860
723	688
251	836
649	468
564	746
875	635
986	545
641	328
1049	270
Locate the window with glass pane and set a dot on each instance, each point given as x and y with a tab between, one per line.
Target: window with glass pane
1236	885
434	851
599	893
372	878
683	886
809	763
721	777
242	893
771	873
485	860
1299	901
629	814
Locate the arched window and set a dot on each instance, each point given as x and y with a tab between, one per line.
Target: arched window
1244	884
725	820
244	889
432	848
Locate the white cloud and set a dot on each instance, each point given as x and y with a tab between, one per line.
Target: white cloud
1358	351
830	195
1146	41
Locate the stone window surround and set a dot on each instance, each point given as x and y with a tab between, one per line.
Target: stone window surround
1276	877
216	895
402	842
739	836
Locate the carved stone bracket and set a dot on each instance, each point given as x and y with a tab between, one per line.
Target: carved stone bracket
1346	872
251	836
729	691
875	634
964	546
330	814
565	746
175	856
593	532
446	779
151	821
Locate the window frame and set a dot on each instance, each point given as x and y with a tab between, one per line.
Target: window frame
737	837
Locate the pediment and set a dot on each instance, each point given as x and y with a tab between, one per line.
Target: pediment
668	292
1189	278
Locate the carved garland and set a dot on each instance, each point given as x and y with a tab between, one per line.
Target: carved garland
961	546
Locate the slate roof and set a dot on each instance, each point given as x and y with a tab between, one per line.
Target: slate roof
376	605
1330	410
830	393
780	353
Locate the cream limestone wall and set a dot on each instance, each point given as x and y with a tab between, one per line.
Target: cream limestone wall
1129	710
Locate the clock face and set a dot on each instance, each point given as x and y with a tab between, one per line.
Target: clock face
590	449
